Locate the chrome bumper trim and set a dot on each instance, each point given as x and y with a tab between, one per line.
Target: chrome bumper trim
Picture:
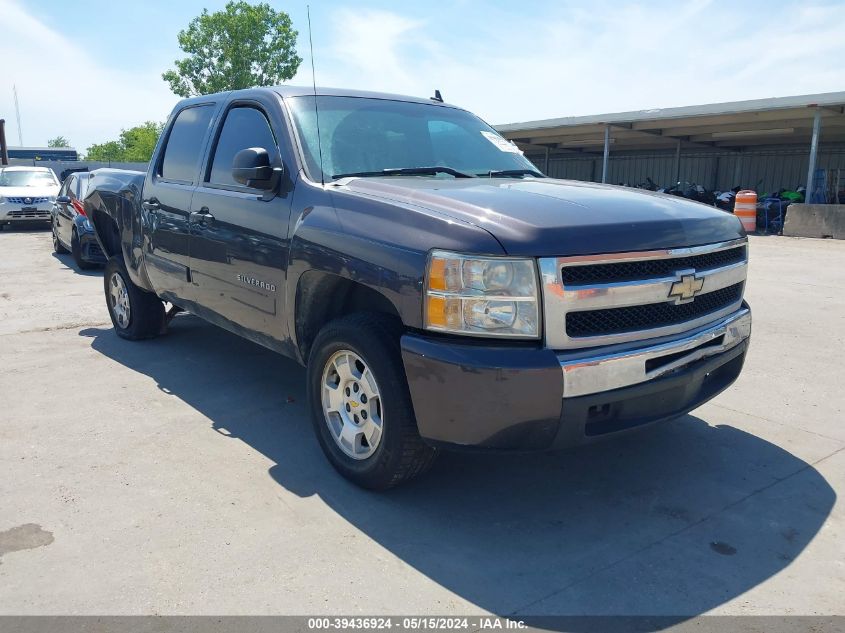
621	369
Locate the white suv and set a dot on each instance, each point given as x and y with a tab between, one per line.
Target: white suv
27	194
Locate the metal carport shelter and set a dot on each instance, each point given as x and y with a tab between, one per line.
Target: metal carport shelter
764	142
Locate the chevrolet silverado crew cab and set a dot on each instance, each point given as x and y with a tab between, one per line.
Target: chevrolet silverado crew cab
440	290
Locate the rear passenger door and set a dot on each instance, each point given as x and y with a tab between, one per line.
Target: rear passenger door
166	201
238	234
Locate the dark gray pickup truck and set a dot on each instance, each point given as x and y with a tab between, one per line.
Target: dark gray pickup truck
441	292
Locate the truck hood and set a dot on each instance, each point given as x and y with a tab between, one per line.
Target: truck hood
29	192
548	217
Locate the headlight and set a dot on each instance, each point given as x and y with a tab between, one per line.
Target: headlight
482	296
51	198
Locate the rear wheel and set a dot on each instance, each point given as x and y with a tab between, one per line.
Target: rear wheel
57	245
76	250
360	404
135	313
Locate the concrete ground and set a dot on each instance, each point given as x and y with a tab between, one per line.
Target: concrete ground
180	476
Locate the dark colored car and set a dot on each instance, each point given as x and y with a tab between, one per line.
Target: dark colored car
72	230
441	292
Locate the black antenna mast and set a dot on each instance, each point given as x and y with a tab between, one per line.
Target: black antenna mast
314	85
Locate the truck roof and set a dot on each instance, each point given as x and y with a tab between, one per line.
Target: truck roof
305	91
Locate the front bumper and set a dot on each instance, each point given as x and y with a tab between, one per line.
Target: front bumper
14	213
529	398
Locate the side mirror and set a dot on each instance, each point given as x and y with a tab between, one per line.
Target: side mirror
63	200
251	167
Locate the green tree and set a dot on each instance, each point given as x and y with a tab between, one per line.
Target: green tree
139	142
110	150
134	145
59	141
240	47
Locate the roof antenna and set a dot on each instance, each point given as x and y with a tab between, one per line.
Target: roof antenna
314	85
437	96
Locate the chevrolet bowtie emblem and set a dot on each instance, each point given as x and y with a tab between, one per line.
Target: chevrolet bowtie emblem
686	288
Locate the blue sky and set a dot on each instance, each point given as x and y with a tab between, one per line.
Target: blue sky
86	69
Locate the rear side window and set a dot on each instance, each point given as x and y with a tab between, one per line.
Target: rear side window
81	186
185	142
244	127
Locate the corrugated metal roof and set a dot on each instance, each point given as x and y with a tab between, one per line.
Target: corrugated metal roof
736	125
829	99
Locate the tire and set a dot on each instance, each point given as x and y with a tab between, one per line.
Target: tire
399	454
76	251
58	248
144	317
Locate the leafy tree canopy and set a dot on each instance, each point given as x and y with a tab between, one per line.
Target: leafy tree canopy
134	145
59	141
242	46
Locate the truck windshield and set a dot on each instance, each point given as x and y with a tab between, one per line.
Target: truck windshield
379	137
26	178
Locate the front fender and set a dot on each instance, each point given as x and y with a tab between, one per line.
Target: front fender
380	244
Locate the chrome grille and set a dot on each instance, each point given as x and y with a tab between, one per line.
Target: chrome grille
627	297
650	268
651	315
39	200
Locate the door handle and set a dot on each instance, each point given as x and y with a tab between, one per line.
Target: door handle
203	216
151	204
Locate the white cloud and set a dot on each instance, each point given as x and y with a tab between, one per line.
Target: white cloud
514	64
559	60
64	91
364	51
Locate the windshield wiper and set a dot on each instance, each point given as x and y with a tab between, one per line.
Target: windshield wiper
509	173
406	171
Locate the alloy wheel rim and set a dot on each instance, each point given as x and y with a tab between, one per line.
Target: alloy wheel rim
119	301
352	404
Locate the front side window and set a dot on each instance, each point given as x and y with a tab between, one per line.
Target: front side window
27	178
244	127
359	135
185	143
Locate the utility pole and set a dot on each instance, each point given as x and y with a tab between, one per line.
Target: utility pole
18	114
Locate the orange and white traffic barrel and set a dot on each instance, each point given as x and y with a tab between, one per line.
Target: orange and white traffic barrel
745	208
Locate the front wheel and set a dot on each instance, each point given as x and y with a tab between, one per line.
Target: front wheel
135	313
360	404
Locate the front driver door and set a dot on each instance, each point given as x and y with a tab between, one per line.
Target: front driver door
64	214
239	235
